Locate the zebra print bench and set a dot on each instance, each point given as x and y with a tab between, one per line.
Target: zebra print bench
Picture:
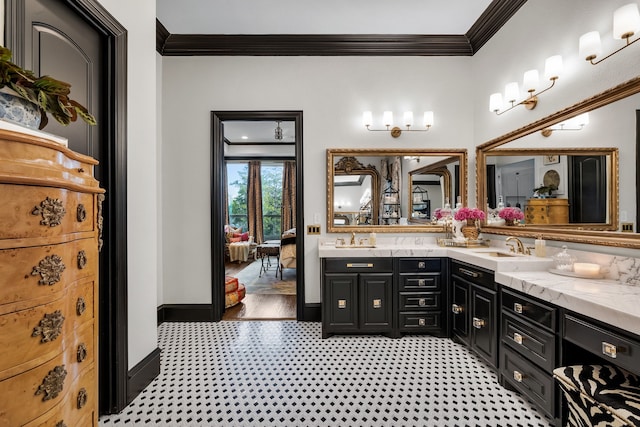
600	395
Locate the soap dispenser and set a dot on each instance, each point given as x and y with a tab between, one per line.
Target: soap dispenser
540	248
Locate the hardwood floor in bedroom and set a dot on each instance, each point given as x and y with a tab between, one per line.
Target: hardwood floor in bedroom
259	306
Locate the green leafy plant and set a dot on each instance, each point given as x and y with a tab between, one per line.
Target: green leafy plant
545	189
48	94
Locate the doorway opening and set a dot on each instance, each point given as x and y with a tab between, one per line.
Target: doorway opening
256	214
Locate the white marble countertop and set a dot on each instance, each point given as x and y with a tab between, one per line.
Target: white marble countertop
609	301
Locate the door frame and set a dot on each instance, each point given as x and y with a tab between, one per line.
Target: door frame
113	332
217	200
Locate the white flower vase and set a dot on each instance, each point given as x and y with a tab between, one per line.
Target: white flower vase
457	229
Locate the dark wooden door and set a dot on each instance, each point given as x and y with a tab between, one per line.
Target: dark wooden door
484	332
376	301
340	301
587	189
459	309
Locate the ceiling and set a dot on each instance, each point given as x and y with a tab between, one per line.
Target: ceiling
329	27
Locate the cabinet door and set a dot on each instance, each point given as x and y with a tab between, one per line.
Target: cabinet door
376	301
484	332
340	302
460	310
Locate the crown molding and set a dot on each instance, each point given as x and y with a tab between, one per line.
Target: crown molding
491	20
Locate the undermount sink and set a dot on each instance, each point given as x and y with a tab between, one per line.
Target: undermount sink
497	254
366	245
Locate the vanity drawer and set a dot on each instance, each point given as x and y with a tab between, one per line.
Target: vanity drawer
420	265
420	282
609	345
533	343
523	307
419	301
529	380
423	321
358	265
473	274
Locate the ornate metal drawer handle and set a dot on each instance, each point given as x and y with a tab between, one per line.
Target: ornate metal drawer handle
50	327
377	303
611	350
51	210
81	213
456	309
518	308
422	302
359	265
81	306
82	398
469	272
82	259
478	323
422	322
342	303
422	264
518	376
82	352
422	282
518	338
52	384
50	269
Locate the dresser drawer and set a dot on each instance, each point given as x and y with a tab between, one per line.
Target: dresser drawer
420	282
420	321
420	265
77	408
37	334
609	345
533	343
34	392
416	300
28	211
529	380
523	307
358	265
30	275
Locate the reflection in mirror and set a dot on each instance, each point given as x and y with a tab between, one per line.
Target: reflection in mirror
561	188
598	185
367	189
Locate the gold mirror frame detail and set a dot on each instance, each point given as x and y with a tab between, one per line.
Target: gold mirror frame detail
337	153
568	233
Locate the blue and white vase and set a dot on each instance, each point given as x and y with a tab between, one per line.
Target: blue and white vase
16	109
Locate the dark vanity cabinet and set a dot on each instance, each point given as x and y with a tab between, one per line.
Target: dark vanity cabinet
357	296
528	348
422	296
474	310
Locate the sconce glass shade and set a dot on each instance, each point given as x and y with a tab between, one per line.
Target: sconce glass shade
553	67
495	102
428	118
367	118
512	92
531	80
408	118
590	45
387	118
626	21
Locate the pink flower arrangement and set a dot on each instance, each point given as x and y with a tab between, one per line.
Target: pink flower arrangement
511	214
469	213
438	213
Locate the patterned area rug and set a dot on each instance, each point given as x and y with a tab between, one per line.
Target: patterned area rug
268	283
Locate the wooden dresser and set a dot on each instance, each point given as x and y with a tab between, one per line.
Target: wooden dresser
50	234
547	211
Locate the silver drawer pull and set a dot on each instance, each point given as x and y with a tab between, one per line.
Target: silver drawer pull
342	303
360	265
456	309
478	323
468	272
422	322
422	302
611	350
518	376
422	264
518	338
422	282
377	303
518	308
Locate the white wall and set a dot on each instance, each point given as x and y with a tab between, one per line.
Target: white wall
142	174
332	92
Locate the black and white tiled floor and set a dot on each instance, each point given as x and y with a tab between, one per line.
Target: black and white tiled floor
255	373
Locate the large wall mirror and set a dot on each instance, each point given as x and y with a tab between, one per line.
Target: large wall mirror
574	182
392	190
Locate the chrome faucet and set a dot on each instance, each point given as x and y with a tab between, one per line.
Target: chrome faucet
518	243
353	238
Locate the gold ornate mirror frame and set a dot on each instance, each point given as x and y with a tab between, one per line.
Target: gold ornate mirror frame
569	234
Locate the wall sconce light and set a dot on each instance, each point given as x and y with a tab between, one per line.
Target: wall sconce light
531	83
626	23
407	120
574	123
